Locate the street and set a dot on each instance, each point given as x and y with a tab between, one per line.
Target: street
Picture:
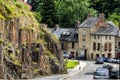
87	73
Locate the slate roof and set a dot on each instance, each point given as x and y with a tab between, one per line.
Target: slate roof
109	29
70	31
89	22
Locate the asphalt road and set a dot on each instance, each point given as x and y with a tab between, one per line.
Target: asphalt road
87	73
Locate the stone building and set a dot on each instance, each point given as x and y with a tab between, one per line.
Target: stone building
68	38
117	44
103	41
98	38
93	38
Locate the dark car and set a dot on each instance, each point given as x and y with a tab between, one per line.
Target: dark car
105	59
80	57
114	74
99	60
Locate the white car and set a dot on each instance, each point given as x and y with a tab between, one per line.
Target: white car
112	60
101	73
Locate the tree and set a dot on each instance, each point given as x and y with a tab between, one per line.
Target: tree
70	11
64	12
114	18
47	10
49	13
106	6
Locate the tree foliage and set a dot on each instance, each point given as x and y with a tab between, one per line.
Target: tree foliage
70	11
46	9
114	18
111	9
64	12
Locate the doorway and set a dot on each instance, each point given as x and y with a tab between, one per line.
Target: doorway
85	53
91	55
97	55
109	55
72	54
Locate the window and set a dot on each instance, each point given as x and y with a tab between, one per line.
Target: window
110	37
110	47
94	36
106	37
65	34
98	47
83	42
72	44
98	37
83	33
105	47
94	46
62	46
119	45
75	35
91	55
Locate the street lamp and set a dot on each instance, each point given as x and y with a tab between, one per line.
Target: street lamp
117	50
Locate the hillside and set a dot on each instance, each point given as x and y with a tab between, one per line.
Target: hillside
27	49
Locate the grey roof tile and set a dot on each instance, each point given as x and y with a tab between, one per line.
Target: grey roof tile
60	31
89	22
106	31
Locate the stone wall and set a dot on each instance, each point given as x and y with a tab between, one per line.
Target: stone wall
27	49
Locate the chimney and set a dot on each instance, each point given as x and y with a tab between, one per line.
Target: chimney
77	24
89	16
56	27
101	20
101	17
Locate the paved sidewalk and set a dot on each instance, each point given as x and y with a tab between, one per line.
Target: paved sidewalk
71	72
77	69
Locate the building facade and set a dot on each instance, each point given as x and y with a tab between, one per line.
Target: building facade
98	38
69	40
93	38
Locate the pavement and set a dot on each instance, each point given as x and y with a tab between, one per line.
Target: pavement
74	71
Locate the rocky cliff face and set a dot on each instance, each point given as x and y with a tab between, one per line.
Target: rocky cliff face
27	49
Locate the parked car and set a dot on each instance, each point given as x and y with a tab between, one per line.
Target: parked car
112	60
81	57
65	55
107	66
105	59
101	73
114	74
99	60
118	61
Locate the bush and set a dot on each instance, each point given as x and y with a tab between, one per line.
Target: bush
71	64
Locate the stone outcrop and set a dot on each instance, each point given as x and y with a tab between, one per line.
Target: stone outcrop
27	49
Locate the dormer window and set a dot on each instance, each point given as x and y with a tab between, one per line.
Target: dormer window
65	34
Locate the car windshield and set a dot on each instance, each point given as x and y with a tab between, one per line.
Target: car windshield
100	73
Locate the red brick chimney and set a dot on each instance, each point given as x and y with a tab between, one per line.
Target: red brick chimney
101	20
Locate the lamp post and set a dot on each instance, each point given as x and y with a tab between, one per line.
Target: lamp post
117	51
